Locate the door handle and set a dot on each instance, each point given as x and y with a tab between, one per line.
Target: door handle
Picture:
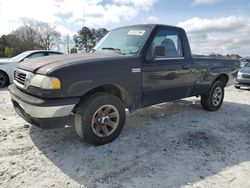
186	67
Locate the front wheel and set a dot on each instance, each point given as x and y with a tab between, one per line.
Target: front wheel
214	99
100	118
4	80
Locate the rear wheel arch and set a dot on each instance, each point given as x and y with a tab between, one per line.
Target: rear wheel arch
222	77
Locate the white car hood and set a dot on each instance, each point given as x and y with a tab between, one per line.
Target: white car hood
5	60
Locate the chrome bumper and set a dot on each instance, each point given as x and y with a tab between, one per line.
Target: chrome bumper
44	111
31	107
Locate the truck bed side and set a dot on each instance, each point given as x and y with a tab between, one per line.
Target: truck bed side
209	70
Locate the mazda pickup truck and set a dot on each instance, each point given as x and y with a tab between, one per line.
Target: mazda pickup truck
130	68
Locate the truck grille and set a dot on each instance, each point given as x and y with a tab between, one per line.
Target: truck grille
19	77
22	78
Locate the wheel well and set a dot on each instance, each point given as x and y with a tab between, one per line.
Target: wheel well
223	77
1	71
115	90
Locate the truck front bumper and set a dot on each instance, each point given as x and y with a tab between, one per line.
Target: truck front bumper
42	112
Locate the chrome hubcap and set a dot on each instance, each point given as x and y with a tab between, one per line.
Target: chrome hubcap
217	96
105	120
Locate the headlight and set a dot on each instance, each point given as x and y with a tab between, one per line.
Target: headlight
239	76
45	82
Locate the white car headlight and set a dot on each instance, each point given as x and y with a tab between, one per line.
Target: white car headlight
45	82
239	76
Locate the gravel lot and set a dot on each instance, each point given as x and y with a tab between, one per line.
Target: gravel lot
175	144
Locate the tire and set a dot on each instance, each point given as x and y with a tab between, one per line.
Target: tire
214	99
4	79
96	112
237	87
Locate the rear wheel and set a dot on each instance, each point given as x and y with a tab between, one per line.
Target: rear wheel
214	99
4	80
100	118
237	87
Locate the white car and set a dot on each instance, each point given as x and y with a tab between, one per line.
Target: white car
7	65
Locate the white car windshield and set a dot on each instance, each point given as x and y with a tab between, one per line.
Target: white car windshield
20	56
128	40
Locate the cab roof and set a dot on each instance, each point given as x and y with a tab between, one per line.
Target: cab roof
149	25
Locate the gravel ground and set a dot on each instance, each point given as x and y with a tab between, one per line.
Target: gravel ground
175	144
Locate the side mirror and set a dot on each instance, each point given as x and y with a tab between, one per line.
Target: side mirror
159	51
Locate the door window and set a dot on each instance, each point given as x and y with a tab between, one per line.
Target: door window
54	53
171	42
39	54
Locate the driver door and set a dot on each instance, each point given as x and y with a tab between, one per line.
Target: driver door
168	76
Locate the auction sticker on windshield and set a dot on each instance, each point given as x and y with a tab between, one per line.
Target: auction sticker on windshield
136	32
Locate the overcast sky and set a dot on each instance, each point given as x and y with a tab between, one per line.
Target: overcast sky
221	26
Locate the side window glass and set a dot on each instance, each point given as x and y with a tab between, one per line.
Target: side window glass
170	41
36	55
52	53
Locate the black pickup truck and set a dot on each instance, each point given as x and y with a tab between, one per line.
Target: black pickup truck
130	68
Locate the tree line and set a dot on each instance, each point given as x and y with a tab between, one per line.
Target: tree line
35	35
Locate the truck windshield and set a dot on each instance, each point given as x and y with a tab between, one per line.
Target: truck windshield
128	40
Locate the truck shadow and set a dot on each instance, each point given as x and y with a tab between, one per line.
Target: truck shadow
167	145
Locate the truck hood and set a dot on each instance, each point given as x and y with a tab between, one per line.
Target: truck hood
44	65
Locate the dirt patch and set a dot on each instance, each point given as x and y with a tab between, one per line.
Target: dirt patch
201	140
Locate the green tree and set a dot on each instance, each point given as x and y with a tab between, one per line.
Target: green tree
86	38
98	34
24	38
73	50
8	52
12	41
83	39
3	44
32	35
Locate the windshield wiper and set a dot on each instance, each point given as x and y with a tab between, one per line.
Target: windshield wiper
117	50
